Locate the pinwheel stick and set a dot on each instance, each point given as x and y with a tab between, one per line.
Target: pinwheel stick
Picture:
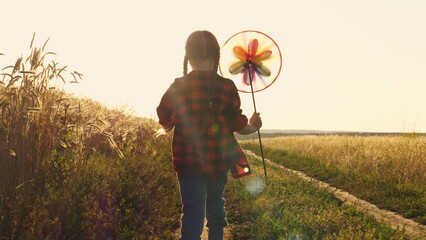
249	65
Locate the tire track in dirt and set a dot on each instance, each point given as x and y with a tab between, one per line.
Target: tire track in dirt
395	220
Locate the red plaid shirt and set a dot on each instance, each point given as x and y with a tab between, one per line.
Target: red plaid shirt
204	109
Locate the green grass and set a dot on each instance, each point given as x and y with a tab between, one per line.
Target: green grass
107	198
407	199
291	208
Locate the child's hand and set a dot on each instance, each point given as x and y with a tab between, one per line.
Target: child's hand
160	132
255	120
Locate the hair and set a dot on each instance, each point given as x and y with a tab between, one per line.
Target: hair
201	45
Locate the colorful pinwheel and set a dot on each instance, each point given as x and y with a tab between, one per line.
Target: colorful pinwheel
250	61
253	61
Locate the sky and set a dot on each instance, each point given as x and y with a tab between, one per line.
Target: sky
347	65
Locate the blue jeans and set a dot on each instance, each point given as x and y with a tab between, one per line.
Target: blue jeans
202	196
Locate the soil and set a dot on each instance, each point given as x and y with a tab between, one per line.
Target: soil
226	234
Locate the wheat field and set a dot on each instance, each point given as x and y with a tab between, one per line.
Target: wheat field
400	157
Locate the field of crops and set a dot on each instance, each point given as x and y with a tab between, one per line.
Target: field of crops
389	171
71	168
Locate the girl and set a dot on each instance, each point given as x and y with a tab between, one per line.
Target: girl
204	110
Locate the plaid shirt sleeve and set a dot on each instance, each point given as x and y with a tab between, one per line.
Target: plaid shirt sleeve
239	120
165	110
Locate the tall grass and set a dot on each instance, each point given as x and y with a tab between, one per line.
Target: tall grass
37	121
71	168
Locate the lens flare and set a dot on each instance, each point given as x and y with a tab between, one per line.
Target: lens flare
255	185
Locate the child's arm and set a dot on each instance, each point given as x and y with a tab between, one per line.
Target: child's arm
165	111
240	123
254	125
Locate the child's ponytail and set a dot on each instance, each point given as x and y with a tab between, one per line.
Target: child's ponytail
185	65
216	62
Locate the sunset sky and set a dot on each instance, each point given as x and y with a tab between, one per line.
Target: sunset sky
347	65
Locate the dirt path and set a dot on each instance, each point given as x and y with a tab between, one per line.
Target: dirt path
226	233
396	221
